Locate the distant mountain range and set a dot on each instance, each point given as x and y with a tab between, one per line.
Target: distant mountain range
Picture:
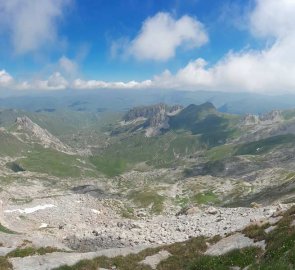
114	100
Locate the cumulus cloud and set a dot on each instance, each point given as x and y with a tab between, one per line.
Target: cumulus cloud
31	23
54	82
272	18
94	84
57	81
5	78
160	37
267	70
68	66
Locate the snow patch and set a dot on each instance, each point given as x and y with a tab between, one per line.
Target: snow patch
30	210
95	211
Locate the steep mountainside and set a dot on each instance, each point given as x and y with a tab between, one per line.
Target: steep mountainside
153	119
153	176
26	129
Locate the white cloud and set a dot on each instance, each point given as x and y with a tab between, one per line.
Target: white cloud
68	66
5	78
160	37
267	70
54	82
31	23
93	84
57	81
272	18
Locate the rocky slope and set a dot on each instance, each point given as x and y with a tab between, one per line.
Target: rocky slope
153	118
33	132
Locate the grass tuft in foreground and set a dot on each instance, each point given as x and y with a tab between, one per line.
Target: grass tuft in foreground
6	230
30	251
5	264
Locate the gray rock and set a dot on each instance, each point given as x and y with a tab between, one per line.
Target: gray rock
154	260
236	241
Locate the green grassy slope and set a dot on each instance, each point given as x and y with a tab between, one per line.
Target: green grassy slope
11	146
265	145
55	163
161	151
214	128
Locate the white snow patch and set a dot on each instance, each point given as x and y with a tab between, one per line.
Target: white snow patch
138	119
95	211
30	210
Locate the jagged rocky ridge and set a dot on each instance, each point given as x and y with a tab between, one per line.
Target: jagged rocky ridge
42	136
154	118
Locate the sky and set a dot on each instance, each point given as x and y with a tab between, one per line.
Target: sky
228	45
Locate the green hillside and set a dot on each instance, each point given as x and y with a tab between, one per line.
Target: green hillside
213	127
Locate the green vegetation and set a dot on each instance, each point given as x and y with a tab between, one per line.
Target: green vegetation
51	162
182	201
236	258
5	230
214	128
290	176
182	253
186	255
21	201
109	166
148	198
162	151
221	152
127	212
11	146
190	116
280	245
265	145
30	251
206	198
5	264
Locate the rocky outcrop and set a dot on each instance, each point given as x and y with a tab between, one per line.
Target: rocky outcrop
271	117
155	117
35	133
232	242
154	260
149	112
264	119
250	119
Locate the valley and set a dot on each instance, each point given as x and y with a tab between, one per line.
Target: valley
78	185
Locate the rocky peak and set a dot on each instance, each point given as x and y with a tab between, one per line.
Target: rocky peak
265	119
250	119
34	132
151	111
24	123
272	117
156	117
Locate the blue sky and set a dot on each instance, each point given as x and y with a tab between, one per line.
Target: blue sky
92	26
177	44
